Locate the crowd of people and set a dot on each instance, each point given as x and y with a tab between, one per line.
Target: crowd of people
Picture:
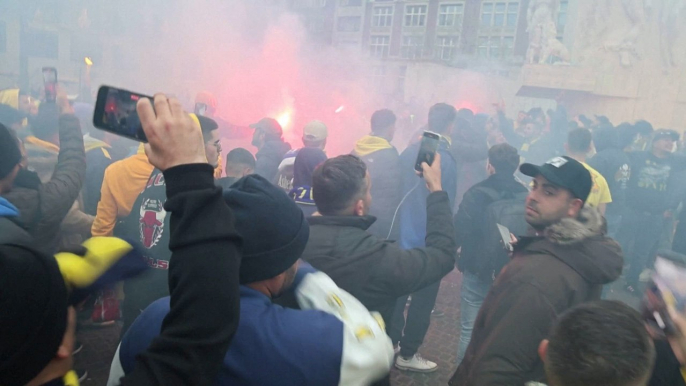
290	267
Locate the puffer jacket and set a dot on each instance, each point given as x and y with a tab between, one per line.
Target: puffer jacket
548	274
43	206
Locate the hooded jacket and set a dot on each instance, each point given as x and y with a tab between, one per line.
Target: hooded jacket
269	157
547	275
382	161
43	206
122	183
42	155
412	212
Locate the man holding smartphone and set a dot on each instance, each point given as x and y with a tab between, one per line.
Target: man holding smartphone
413	233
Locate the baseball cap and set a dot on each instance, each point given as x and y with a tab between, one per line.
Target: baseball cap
666	133
315	131
564	172
269	126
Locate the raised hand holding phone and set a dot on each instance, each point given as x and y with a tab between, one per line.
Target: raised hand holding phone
432	174
173	138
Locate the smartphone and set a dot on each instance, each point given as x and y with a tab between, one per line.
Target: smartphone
50	83
505	235
115	112
667	288
200	109
654	311
427	150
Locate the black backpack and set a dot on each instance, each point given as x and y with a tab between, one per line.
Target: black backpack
506	209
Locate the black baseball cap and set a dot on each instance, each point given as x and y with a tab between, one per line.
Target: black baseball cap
564	172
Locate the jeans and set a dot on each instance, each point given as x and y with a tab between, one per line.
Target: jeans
410	333
472	295
639	237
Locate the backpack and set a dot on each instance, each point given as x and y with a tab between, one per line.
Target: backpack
12	233
506	209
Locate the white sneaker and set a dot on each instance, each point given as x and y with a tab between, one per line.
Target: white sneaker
415	363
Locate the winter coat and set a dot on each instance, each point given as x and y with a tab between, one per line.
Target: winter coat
469	147
412	213
43	206
269	157
470	222
98	159
376	271
548	275
383	163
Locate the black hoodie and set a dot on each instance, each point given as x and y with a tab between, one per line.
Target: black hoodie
547	275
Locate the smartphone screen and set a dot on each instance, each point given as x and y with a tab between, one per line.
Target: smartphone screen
200	109
427	150
115	111
50	83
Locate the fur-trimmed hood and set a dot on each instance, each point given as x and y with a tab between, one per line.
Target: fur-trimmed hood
581	244
574	230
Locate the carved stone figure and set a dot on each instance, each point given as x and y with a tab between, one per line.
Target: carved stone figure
635	11
542	31
669	29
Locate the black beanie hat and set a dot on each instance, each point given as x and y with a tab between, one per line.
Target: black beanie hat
10	155
33	316
273	228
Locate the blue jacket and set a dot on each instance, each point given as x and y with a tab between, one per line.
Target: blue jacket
272	346
413	210
7	209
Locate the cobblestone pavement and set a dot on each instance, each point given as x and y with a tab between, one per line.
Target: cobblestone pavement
440	344
99	345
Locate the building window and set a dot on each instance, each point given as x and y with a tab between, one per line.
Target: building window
412	47
382	16
499	14
349	24
378	46
351	3
415	15
445	47
450	15
495	47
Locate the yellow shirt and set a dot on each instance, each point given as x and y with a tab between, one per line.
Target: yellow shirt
600	192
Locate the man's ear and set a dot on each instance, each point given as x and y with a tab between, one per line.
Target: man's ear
359	208
543	350
575	207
